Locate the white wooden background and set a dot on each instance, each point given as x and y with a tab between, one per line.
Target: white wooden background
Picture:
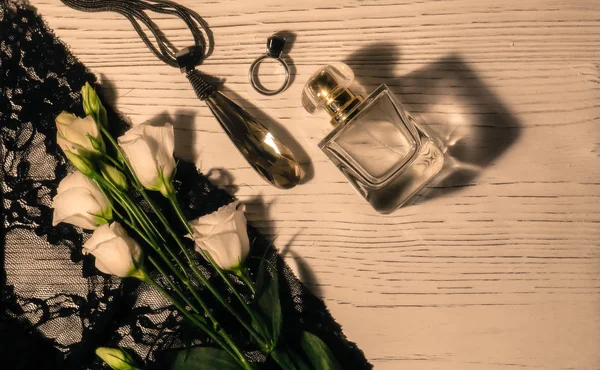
497	266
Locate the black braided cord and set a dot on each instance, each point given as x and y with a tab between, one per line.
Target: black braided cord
135	12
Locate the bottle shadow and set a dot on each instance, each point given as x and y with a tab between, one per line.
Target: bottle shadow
453	103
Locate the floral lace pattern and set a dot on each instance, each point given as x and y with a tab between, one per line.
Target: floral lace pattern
55	304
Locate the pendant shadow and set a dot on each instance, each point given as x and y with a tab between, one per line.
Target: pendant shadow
453	103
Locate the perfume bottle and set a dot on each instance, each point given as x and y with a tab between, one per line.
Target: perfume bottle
376	143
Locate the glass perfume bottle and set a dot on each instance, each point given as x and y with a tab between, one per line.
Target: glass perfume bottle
376	144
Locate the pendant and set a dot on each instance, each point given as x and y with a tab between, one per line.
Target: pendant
272	160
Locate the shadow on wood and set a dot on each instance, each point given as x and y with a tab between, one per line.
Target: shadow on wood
452	102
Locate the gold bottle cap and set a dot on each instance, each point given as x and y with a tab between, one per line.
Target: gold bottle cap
328	89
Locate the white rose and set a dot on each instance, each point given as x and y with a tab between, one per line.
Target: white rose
116	252
223	234
72	134
150	152
80	202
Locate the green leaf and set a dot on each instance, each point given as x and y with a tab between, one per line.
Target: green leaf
204	358
283	359
319	355
299	361
267	300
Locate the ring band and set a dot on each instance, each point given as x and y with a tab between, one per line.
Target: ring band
275	46
257	86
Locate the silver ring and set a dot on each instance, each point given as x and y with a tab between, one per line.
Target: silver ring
275	45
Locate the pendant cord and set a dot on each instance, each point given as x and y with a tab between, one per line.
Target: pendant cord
135	12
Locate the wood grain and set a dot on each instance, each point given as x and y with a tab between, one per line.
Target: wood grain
495	266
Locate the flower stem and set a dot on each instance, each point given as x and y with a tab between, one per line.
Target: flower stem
236	352
152	231
179	212
115	163
172	284
141	215
106	192
197	273
216	326
130	223
131	209
187	283
242	273
184	221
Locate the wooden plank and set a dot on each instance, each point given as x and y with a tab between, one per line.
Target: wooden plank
496	265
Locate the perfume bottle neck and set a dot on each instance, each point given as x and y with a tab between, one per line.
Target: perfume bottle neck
341	103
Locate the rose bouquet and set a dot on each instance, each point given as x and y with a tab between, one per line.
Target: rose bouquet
114	193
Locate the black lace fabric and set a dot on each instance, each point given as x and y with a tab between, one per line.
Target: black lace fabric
56	308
